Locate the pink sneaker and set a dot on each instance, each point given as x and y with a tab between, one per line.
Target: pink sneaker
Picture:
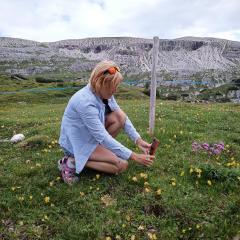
69	175
62	162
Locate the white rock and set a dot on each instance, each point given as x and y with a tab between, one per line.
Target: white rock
17	138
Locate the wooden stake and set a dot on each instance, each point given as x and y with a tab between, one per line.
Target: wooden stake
153	85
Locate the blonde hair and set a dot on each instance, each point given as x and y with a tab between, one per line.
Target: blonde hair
101	78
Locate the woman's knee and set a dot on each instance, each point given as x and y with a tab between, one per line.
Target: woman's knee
118	118
121	117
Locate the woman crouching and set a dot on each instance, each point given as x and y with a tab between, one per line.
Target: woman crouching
90	123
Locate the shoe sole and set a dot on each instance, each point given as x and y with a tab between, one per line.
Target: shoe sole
60	165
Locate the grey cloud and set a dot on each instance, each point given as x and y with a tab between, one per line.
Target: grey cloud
168	17
142	18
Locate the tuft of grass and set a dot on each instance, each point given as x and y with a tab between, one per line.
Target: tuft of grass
38	141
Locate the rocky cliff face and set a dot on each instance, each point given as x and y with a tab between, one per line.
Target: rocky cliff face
184	58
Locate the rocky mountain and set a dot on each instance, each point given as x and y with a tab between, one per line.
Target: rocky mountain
202	59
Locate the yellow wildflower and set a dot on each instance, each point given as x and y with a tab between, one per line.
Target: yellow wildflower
198	170
152	236
82	194
173	181
20	223
146	184
47	199
182	173
209	182
134	179
45	218
97	176
159	191
143	175
141	227
21	198
133	237
147	190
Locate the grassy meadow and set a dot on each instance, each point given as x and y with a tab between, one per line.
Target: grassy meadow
184	195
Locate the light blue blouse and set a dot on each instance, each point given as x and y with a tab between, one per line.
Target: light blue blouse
82	127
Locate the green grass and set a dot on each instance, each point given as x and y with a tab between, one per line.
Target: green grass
111	206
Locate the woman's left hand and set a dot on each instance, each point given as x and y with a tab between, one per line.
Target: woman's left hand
144	146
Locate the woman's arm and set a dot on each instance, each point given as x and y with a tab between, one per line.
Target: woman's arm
89	113
128	128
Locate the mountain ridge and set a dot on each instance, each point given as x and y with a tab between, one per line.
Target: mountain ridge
209	59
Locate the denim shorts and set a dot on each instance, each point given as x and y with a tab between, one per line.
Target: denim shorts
67	153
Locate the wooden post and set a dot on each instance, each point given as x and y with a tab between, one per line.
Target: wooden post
153	85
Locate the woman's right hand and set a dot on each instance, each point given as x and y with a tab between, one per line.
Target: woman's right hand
143	159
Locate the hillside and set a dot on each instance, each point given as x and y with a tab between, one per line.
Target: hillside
205	59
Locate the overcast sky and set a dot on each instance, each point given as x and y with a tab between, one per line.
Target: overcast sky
53	20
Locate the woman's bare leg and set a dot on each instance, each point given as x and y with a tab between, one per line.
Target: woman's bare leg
104	160
114	122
